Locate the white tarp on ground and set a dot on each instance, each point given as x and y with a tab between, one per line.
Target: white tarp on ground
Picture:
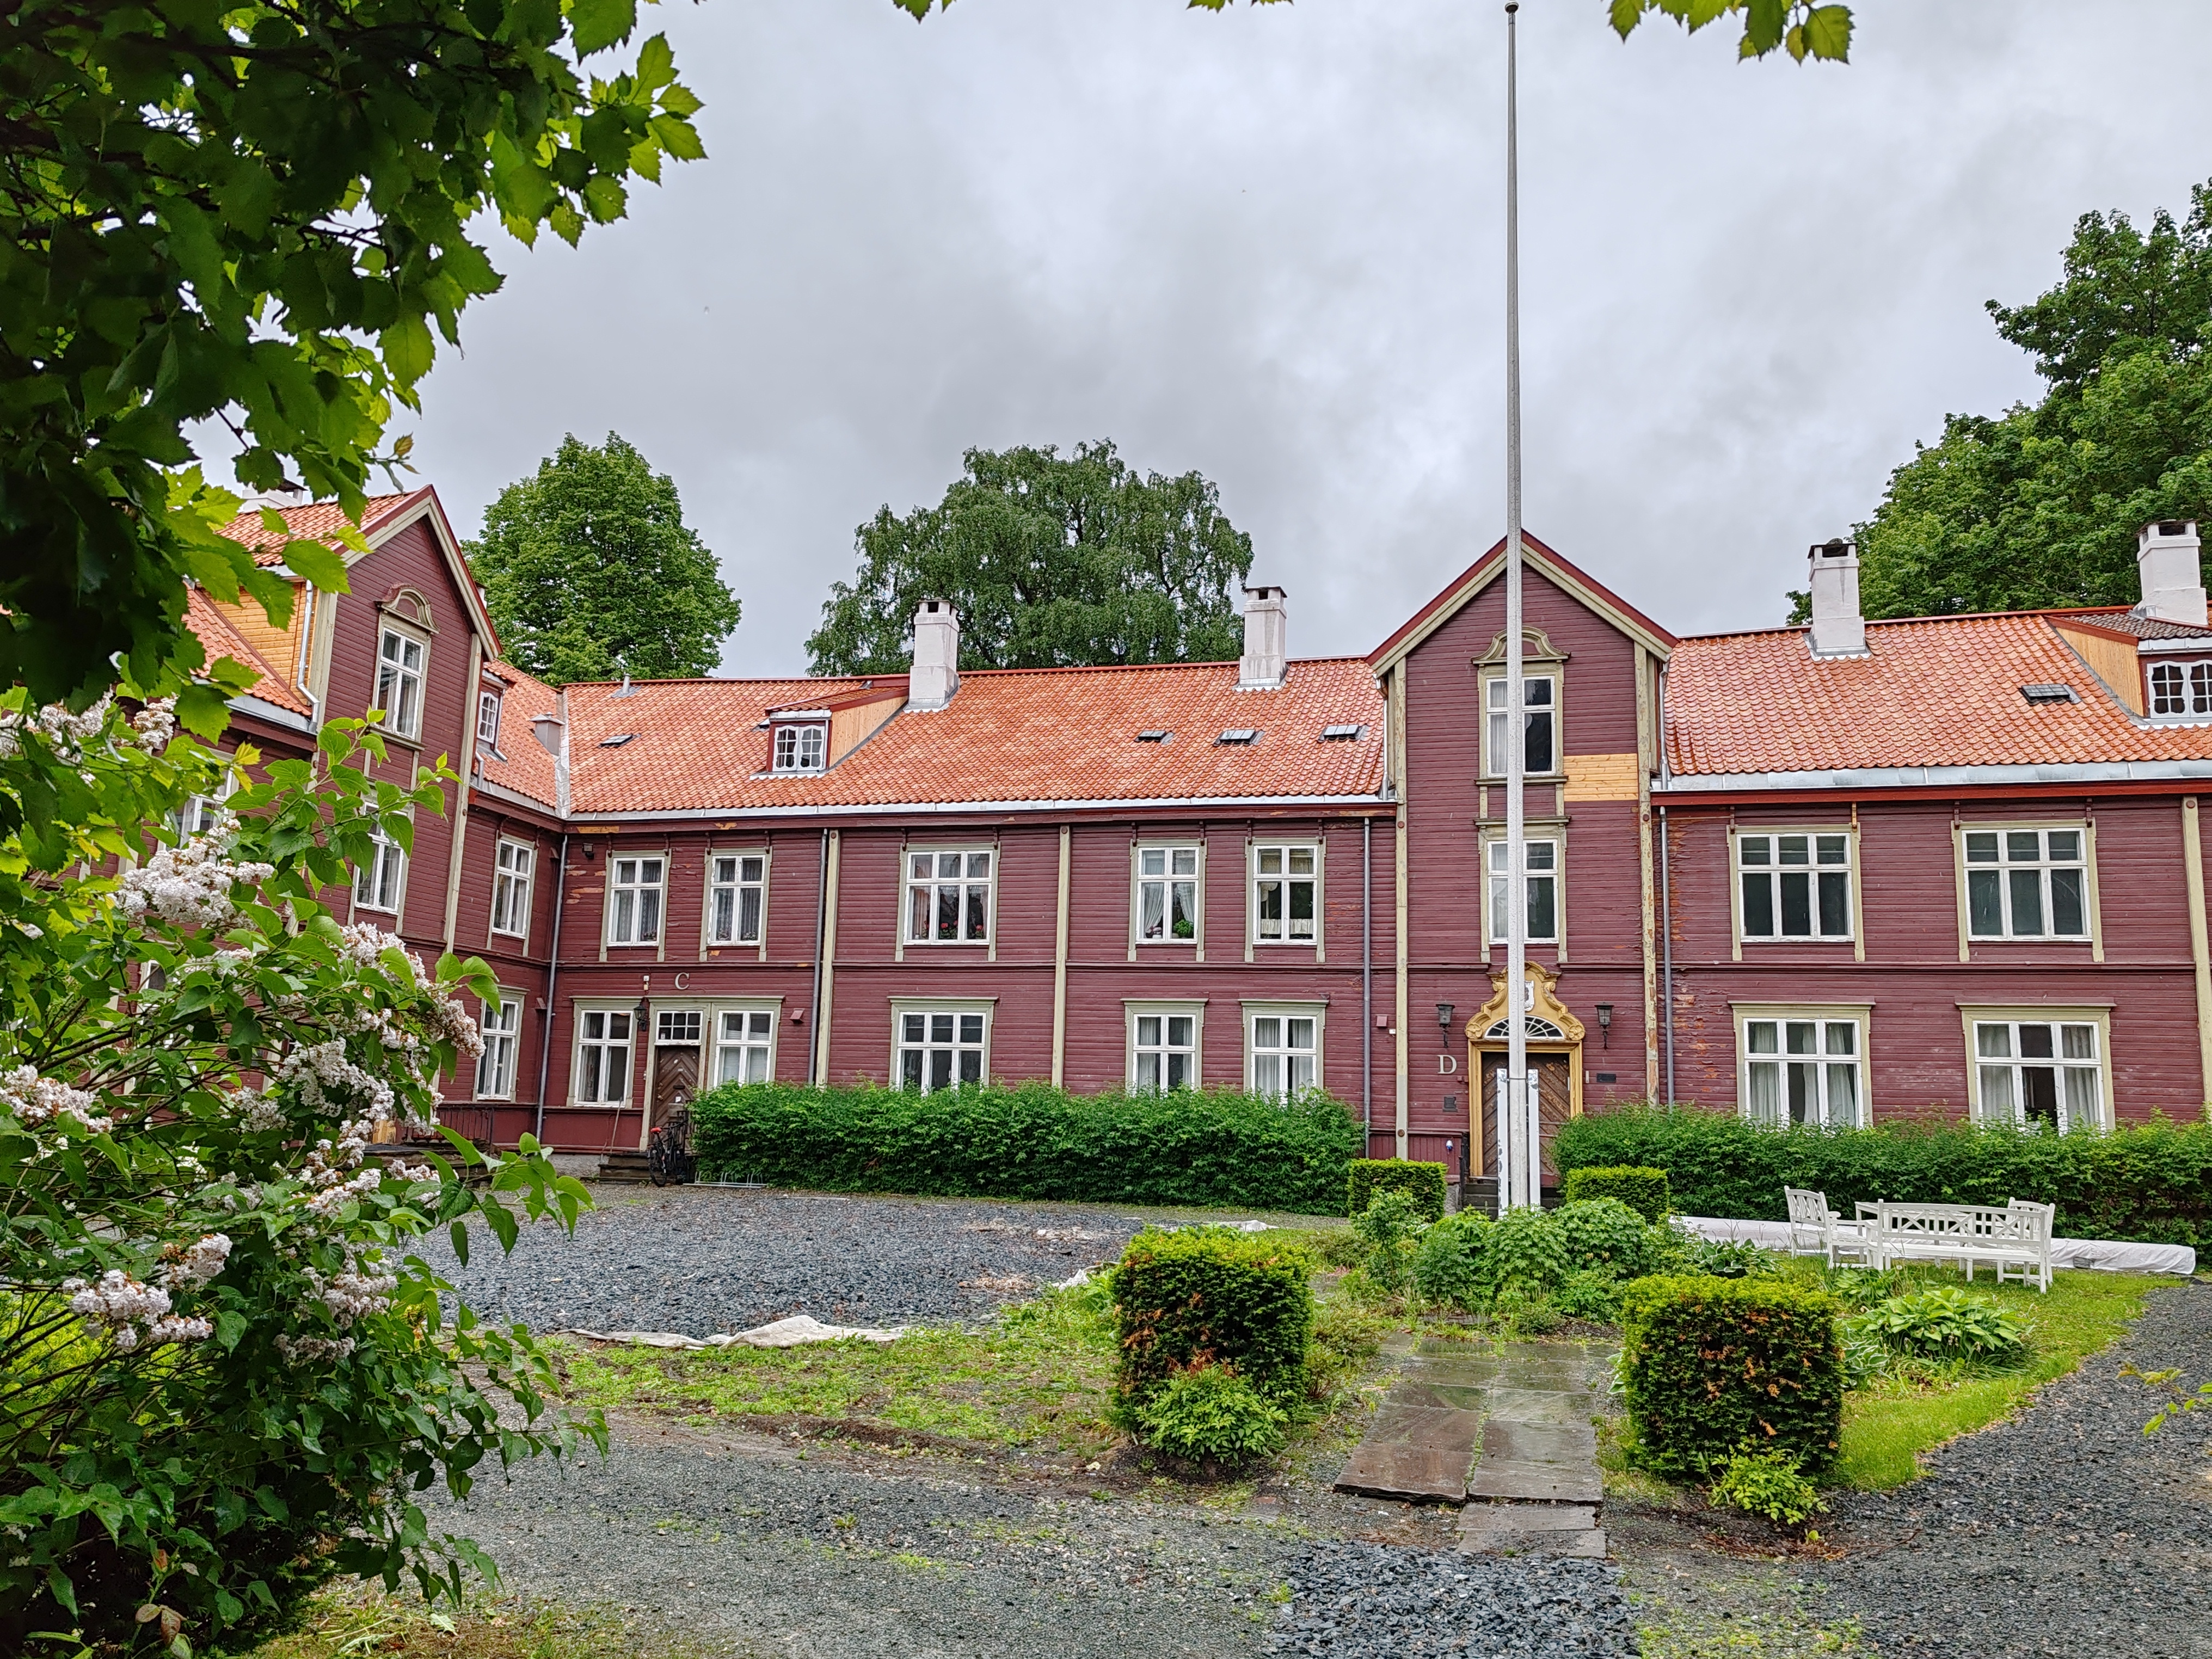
2106	1254
783	1334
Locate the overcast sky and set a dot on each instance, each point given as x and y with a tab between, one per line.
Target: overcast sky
1266	245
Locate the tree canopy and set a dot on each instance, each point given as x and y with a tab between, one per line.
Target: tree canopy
590	571
2040	506
1052	561
255	216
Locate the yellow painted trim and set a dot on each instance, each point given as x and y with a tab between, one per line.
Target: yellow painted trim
829	957
1060	966
2192	867
1646	880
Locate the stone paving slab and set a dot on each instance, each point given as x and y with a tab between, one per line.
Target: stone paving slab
1531	1528
1418	1390
1540	1405
1539	1443
1414	1452
1536	1483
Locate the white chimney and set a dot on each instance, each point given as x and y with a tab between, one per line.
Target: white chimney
1266	640
552	732
936	656
1838	630
2166	557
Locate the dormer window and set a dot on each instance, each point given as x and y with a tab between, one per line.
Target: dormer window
2180	689
487	719
802	746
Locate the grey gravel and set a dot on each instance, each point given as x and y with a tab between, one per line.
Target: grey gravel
1355	1600
701	1260
2064	1531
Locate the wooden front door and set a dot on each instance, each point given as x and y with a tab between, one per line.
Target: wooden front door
1555	1104
675	1081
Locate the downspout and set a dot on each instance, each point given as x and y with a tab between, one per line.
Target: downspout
1366	984
552	980
821	920
1666	952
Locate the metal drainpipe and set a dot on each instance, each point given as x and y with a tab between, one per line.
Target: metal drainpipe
552	980
1666	953
1366	981
820	921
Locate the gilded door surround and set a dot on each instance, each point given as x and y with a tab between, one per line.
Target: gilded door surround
1553	1029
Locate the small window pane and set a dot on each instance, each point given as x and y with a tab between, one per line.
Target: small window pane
1764	1036
1982	846
1754	848
2081	1097
1267	1032
1154	861
1179	1029
2023	846
1831	849
1186	861
1844	1097
1758	906
1797	905
1842	1038
1996	1091
1993	1041
2078	1041
1835	903
1765	1105
2027	903
919	866
979	866
1271	860
948	864
1793	849
1148	1031
1984	907
915	1027
1800	1037
2035	1043
2065	846
2067	909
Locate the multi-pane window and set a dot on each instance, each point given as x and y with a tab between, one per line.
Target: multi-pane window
1795	886
1167	894
400	682
678	1028
744	1046
200	813
488	719
2040	1072
510	887
634	894
1540	748
2181	688
1286	896
376	878
502	1025
603	1042
940	1050
948	897
1543	891
801	748
1284	1049
1802	1071
1163	1050
2027	883
736	883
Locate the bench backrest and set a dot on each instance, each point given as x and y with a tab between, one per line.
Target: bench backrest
1807	1208
1961	1221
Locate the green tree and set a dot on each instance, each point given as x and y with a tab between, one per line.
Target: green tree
2040	506
1051	561
254	216
589	570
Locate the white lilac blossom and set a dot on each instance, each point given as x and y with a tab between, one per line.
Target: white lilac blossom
189	885
65	733
255	1112
36	1101
322	1070
155	724
193	1265
326	1203
359	1289
119	1304
313	1350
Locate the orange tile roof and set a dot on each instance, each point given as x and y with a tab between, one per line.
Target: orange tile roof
1008	736
1939	691
522	763
313	521
219	636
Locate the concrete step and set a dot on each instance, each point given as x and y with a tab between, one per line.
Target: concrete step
623	1169
1531	1528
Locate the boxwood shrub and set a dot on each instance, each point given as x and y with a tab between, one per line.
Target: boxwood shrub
1712	1367
2151	1182
1032	1141
1422	1182
1643	1191
1212	1296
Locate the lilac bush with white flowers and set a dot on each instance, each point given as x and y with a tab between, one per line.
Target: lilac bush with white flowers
223	1369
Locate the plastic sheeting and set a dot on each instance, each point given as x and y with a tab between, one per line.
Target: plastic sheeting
2104	1254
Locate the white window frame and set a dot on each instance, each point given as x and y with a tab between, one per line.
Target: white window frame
930	1009
406	720
2044	865
488	713
500	1022
1839	1035
1143	883
626	924
1541	694
2191	696
1820	877
758	1022
514	873
601	1037
961	880
799	746
1148	1033
2057	1017
730	891
386	865
198	813
1259	878
1256	1011
1495	890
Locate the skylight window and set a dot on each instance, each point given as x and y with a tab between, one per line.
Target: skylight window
1342	733
1238	734
1159	734
2047	693
617	740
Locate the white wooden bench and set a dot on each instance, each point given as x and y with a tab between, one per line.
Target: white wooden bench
2016	1237
1816	1230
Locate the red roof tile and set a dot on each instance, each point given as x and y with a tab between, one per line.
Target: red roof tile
1011	735
1939	691
315	521
219	637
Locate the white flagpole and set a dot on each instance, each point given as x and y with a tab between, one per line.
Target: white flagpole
1519	1149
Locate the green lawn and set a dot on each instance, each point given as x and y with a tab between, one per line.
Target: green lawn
352	1619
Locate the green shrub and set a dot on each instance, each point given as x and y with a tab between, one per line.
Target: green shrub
1451	1265
1422	1182
1212	1296
1032	1141
1711	1367
1719	1258
1212	1415
1526	1250
1643	1191
2152	1182
1945	1323
1525	1311
1589	1295
1603	1235
1391	1227
1769	1484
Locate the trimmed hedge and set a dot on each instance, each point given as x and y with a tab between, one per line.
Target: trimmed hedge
1422	1182
2151	1182
1212	1296
1031	1140
1643	1191
1712	1367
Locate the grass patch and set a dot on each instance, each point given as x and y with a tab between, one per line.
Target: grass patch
354	1618
1040	1376
1888	1426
